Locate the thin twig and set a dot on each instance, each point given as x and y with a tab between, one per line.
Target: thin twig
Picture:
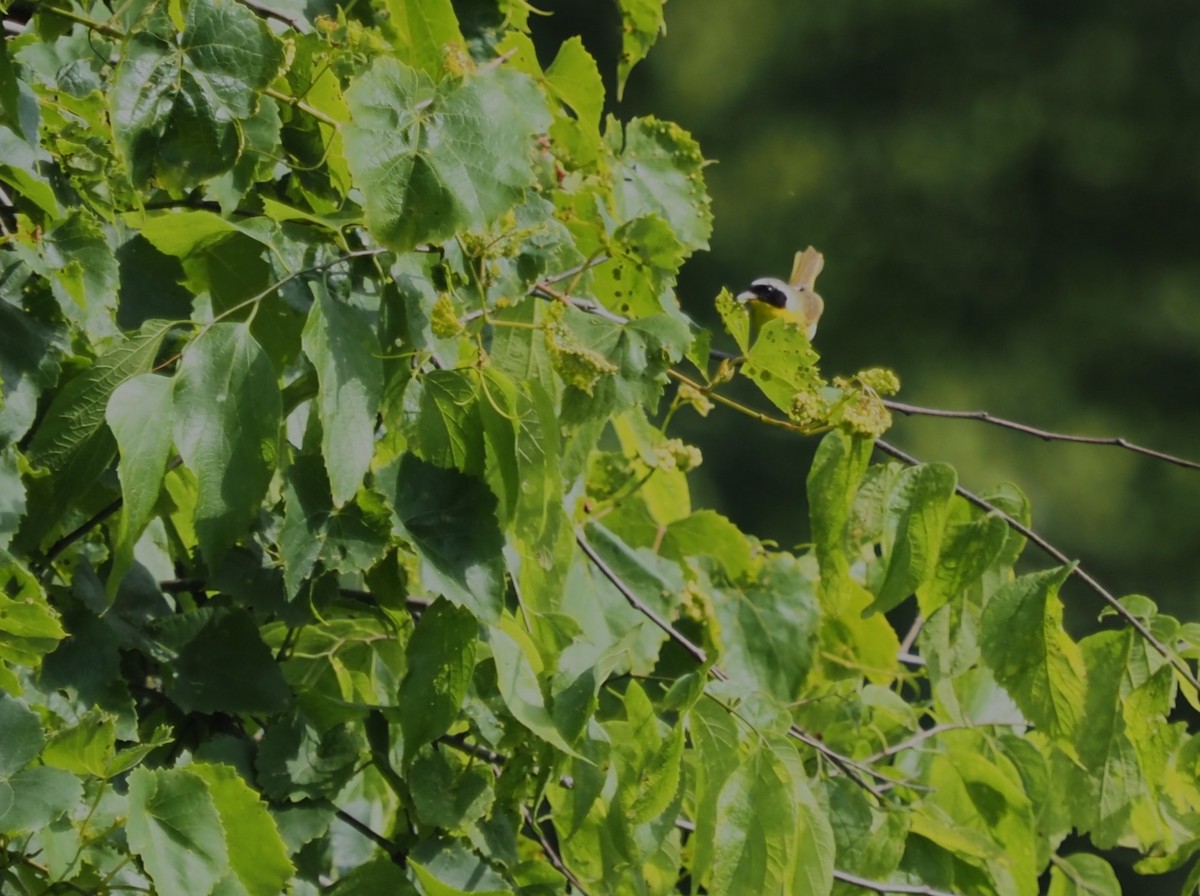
551	853
908	743
913	410
299	24
881	887
1050	550
393	850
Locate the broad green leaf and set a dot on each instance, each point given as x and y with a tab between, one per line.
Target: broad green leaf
574	79
40	795
449	519
177	105
10	93
72	441
29	362
641	24
517	668
140	415
343	668
648	759
450	792
441	658
1083	874
18	169
782	363
1030	653
427	34
915	518
868	838
12	494
295	761
379	877
342	346
714	735
1112	782
735	318
29	625
349	539
258	858
813	852
769	626
227	416
708	534
968	550
175	829
659	171
442	420
83	269
226	667
86	748
449	868
433	159
22	739
756	818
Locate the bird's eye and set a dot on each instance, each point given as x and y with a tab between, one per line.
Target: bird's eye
772	295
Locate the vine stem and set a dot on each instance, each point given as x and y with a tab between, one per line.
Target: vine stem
912	410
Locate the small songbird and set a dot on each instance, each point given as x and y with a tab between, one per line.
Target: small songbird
770	298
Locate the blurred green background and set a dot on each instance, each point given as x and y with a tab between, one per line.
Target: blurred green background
1008	198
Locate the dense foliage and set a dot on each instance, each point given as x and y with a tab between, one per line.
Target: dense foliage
345	547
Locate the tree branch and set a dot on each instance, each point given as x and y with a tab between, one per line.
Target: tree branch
913	410
885	888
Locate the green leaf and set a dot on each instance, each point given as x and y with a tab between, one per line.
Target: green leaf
708	534
450	792
22	739
641	24
348	539
434	159
258	858
86	748
83	269
574	79
177	106
813	853
648	758
40	795
426	31
29	626
1083	874
517	668
755	826
72	442
449	519
769	626
1031	655
442	420
441	658
227	430
915	517
29	362
782	363
226	667
296	761
140	415
968	550
175	829
12	494
659	171
342	346
450	869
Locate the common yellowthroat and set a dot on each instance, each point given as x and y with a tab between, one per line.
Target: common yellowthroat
770	298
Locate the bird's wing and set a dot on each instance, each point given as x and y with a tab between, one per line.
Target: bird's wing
805	269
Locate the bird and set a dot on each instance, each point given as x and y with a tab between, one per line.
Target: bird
796	300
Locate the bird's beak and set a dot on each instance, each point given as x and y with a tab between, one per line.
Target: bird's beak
746	296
